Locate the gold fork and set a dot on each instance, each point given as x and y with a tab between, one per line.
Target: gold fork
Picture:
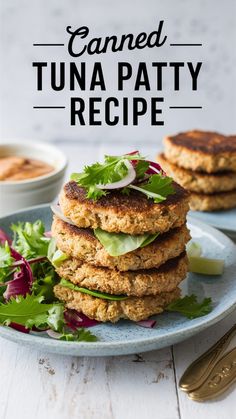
210	362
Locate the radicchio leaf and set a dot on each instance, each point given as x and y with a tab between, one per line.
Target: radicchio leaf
154	168
22	280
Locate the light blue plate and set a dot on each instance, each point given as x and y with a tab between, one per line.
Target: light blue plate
126	337
224	220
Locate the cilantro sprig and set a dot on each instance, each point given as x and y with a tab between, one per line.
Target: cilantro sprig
112	170
190	307
157	187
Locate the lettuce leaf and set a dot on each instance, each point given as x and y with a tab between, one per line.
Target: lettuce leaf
117	244
98	294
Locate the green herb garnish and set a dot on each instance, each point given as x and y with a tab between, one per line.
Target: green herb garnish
158	187
80	335
189	307
112	170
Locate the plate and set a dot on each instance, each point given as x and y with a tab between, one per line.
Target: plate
126	337
224	220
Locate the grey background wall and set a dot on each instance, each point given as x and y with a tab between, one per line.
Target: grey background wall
24	22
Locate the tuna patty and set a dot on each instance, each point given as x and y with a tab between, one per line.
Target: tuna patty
215	202
132	308
202	151
82	244
199	182
132	283
117	212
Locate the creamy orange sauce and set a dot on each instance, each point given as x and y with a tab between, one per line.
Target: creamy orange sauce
22	168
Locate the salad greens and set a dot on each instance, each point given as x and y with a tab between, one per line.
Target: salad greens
117	244
29	239
97	294
30	311
27	297
6	262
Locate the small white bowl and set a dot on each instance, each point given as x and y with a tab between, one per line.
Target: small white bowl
15	195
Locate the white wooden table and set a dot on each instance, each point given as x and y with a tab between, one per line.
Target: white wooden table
46	386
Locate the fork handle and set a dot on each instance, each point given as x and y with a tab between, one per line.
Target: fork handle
199	370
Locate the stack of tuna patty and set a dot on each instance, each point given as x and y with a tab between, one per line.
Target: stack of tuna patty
205	164
142	282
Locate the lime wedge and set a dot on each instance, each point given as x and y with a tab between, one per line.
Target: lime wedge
194	249
206	266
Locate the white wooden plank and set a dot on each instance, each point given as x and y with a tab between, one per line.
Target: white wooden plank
184	354
49	386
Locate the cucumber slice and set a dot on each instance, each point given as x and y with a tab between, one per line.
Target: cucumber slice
206	266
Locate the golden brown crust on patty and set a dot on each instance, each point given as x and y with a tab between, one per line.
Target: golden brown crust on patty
116	212
215	202
132	308
132	283
202	151
197	181
82	244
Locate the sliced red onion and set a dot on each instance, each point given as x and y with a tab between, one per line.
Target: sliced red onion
147	323
132	153
4	237
129	178
48	234
75	320
57	211
53	334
